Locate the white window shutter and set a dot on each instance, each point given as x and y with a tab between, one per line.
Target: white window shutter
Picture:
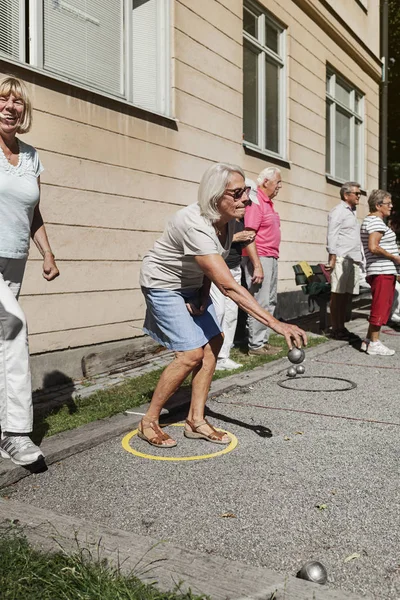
10	28
146	56
83	41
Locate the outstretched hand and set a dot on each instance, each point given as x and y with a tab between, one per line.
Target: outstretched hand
293	335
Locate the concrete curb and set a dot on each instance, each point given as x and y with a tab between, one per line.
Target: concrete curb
68	443
162	563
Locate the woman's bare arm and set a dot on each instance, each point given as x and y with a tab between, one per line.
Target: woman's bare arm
215	268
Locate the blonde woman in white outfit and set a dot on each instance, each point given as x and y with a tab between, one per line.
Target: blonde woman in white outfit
20	219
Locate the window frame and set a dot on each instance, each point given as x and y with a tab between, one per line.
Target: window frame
34	54
263	17
333	103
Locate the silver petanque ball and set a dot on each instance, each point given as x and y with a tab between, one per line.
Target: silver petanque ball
300	369
313	571
296	355
291	372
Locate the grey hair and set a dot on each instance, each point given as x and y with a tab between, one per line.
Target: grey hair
347	188
267	173
212	187
376	198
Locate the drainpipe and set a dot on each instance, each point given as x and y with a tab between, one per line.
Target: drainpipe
383	171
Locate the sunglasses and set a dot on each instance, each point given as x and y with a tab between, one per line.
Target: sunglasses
358	194
238	192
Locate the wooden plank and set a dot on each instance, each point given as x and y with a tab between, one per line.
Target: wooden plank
84	336
81	276
228	47
204	60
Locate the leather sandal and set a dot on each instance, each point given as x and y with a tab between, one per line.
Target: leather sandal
216	437
158	439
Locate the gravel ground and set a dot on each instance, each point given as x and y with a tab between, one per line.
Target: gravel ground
317	487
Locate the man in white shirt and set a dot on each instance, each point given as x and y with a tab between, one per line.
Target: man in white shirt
344	248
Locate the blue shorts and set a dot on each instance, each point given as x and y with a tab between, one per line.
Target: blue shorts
169	322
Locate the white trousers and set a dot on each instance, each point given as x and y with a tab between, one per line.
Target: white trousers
16	414
227	312
266	294
396	300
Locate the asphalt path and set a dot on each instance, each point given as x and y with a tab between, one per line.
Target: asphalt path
315	475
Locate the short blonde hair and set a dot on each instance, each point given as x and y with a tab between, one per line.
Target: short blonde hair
212	187
11	85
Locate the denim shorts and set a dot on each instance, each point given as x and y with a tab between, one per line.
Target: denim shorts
169	322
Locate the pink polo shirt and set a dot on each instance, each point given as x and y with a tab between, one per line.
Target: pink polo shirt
266	222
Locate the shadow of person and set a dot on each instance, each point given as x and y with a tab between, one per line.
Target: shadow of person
56	393
260	430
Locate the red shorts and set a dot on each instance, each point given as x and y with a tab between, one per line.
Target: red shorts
382	289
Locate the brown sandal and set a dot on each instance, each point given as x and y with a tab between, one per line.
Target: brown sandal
216	437
158	439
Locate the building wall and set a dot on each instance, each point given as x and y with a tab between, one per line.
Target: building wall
112	178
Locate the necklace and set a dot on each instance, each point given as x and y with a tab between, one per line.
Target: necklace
7	152
218	231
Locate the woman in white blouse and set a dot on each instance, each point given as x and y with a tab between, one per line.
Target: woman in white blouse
20	219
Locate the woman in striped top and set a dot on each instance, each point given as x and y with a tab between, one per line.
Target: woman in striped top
383	265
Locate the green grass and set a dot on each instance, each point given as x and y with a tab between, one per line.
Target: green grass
134	392
26	573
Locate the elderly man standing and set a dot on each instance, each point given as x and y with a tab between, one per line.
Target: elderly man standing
344	248
260	260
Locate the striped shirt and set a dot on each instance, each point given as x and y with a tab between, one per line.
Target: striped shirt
376	264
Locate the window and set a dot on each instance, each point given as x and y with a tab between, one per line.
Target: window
263	81
120	48
344	130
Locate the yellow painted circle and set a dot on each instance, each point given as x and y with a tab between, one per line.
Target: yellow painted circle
126	446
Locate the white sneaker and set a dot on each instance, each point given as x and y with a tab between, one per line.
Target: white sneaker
395	318
364	345
20	449
227	364
379	349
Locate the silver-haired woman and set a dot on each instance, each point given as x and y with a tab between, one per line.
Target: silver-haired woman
20	219
175	277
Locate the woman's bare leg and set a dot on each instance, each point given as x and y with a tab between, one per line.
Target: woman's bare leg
201	381
373	332
171	379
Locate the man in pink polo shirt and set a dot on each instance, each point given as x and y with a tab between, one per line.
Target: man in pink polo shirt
260	260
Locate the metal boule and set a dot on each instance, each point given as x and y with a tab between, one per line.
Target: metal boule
313	571
291	372
296	355
300	369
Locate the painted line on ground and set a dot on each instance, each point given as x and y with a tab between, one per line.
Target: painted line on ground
126	446
335	362
308	412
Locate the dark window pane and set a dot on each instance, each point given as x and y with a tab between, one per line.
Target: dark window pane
250	23
250	95
271	36
272	106
342	145
342	93
328	139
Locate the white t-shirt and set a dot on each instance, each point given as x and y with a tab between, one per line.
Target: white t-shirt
379	265
170	265
19	194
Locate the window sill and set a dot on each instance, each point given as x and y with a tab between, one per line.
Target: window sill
339	183
264	155
86	93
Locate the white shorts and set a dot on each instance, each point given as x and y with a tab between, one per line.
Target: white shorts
345	277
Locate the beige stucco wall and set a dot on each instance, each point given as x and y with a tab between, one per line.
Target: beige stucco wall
112	179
